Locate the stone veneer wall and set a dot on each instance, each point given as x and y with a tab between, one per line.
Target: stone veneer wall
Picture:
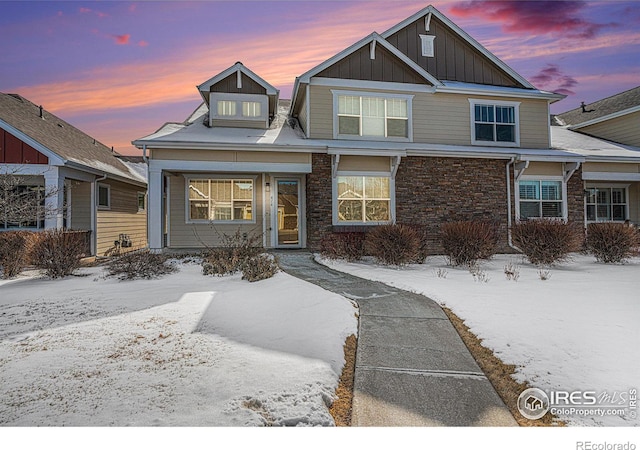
431	191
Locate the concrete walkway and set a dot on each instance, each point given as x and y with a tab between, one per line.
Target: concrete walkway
412	368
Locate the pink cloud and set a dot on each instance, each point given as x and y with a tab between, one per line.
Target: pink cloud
84	10
558	18
121	39
143	44
551	77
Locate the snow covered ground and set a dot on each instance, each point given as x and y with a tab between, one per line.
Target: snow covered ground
185	349
579	330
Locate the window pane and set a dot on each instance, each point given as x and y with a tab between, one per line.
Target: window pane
551	209
484	113
199	210
220	211
103	196
529	190
242	210
373	126
243	189
350	211
604	212
377	210
349	104
198	189
377	187
484	132
604	196
505	114
505	133
551	190
397	128
591	195
226	108
617	196
251	109
349	125
396	108
529	209
619	212
221	190
373	116
591	212
350	187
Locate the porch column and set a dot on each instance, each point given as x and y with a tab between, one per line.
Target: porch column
154	210
54	200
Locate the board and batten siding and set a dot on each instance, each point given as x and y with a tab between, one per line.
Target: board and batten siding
122	217
200	235
624	129
440	118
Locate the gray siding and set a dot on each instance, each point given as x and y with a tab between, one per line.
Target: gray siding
625	129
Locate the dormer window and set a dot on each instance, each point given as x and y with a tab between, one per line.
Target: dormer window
238	110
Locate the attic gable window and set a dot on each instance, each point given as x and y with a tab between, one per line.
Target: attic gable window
233	109
251	109
372	116
495	123
226	108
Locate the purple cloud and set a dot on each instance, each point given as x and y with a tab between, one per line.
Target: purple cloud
552	76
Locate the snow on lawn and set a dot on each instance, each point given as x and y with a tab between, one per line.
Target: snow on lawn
577	330
185	349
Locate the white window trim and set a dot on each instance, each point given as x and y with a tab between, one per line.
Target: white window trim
144	195
233	177
608	186
334	198
103	207
408	98
542	178
215	97
516	106
427	45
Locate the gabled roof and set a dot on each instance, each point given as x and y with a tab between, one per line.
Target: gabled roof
56	138
305	77
237	67
617	105
463	34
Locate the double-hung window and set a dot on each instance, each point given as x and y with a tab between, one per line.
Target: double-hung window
372	116
363	199
541	198
220	200
495	123
607	204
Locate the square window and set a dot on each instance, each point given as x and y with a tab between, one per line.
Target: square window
496	123
363	199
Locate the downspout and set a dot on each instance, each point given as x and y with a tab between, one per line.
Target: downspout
144	154
509	238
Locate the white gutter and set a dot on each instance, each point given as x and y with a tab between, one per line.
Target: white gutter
144	154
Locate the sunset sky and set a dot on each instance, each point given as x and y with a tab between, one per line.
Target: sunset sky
119	70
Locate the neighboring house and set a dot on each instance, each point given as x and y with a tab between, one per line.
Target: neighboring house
615	118
418	125
84	185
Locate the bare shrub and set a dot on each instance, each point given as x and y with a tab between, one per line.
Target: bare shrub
544	274
14	250
512	271
234	251
466	242
441	273
612	242
58	252
141	264
395	245
347	246
478	274
423	239
259	267
546	241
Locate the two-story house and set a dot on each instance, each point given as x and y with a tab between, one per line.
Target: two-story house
419	125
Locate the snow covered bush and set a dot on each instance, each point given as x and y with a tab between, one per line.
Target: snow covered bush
259	267
141	264
58	252
465	242
14	249
394	245
612	242
347	246
546	241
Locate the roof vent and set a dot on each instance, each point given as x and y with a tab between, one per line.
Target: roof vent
584	108
41	112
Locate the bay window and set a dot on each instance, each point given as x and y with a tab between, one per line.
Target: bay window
541	199
220	200
363	199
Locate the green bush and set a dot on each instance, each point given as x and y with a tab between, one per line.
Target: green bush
546	241
395	245
465	242
612	242
347	246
